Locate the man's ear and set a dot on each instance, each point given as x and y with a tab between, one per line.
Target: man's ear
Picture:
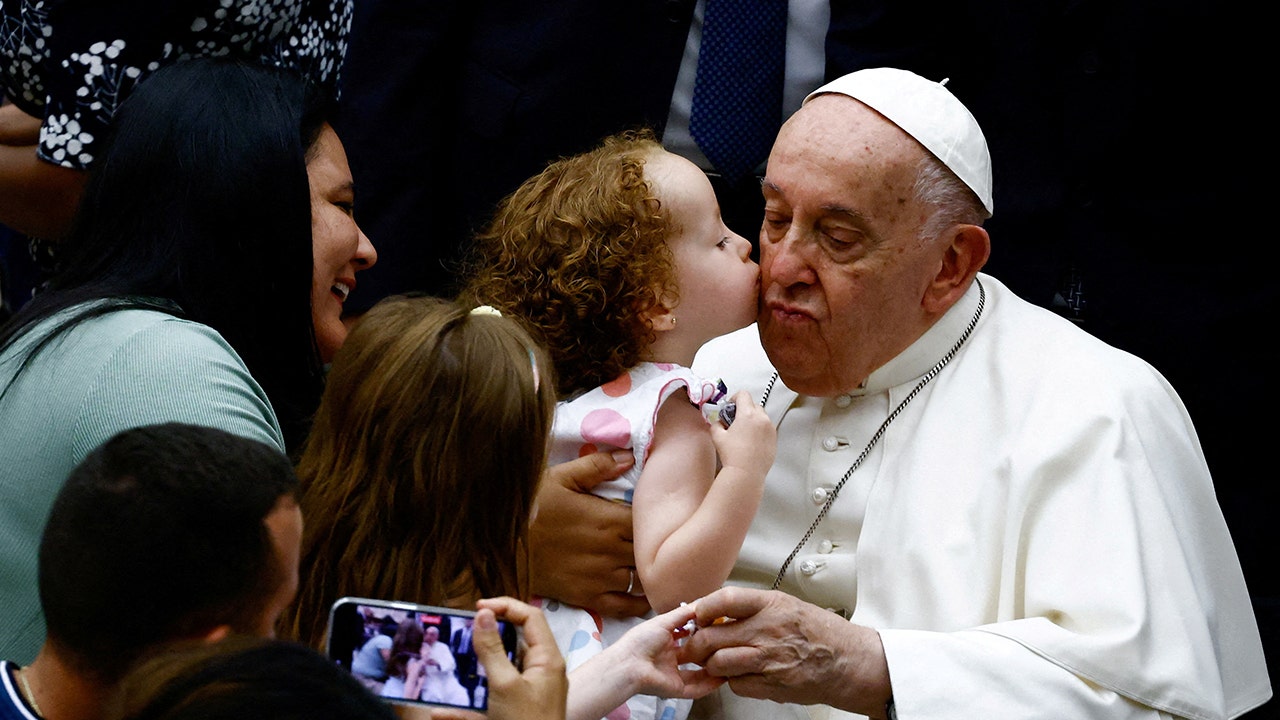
966	252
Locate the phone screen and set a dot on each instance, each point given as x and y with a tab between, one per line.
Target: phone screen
405	652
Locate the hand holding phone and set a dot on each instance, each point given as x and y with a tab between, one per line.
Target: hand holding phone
537	691
410	653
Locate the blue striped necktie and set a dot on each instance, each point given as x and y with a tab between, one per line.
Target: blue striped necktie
737	96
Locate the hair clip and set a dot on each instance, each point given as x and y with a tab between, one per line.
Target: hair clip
485	310
533	364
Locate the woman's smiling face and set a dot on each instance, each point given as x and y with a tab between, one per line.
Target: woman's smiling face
339	248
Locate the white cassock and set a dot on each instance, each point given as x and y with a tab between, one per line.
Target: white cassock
1036	535
441	684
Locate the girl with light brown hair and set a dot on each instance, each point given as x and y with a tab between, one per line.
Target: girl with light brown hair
618	260
419	474
418	484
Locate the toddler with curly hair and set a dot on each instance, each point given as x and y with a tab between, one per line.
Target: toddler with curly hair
617	260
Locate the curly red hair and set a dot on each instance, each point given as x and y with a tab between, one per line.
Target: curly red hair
577	253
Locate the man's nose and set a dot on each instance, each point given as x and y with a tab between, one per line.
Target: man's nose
786	262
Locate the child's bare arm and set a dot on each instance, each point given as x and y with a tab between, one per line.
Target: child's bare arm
690	520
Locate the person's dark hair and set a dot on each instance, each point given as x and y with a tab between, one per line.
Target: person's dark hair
243	677
199	205
159	534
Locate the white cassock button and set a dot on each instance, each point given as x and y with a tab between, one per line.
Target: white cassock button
830	443
818	496
825	547
843	401
808	567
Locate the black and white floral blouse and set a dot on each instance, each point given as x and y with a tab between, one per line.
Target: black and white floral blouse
72	62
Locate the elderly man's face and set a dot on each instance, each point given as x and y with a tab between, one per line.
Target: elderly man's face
842	271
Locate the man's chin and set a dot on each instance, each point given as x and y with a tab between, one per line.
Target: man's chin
800	363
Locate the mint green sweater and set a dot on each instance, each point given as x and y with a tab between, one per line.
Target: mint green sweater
120	370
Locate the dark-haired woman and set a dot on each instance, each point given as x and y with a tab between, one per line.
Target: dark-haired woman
204	283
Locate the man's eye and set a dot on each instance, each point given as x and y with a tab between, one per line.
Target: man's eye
844	246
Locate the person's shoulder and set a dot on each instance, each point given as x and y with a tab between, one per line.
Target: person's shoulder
122	322
153	340
141	323
150	366
1059	341
97	339
651	372
1052	350
662	380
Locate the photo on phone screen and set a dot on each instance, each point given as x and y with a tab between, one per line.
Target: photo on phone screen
405	652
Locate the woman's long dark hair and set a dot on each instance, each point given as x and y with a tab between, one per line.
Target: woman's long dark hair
199	206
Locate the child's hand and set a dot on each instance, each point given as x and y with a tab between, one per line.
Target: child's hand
647	655
750	443
644	660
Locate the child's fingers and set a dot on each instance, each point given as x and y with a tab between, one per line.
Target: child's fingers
677	618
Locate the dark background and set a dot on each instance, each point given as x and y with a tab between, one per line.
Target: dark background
1129	140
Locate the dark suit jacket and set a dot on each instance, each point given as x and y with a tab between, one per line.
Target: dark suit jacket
448	106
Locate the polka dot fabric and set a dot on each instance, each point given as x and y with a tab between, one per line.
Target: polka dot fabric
621	413
618	414
605	426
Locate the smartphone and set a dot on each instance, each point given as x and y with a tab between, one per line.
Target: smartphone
411	653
